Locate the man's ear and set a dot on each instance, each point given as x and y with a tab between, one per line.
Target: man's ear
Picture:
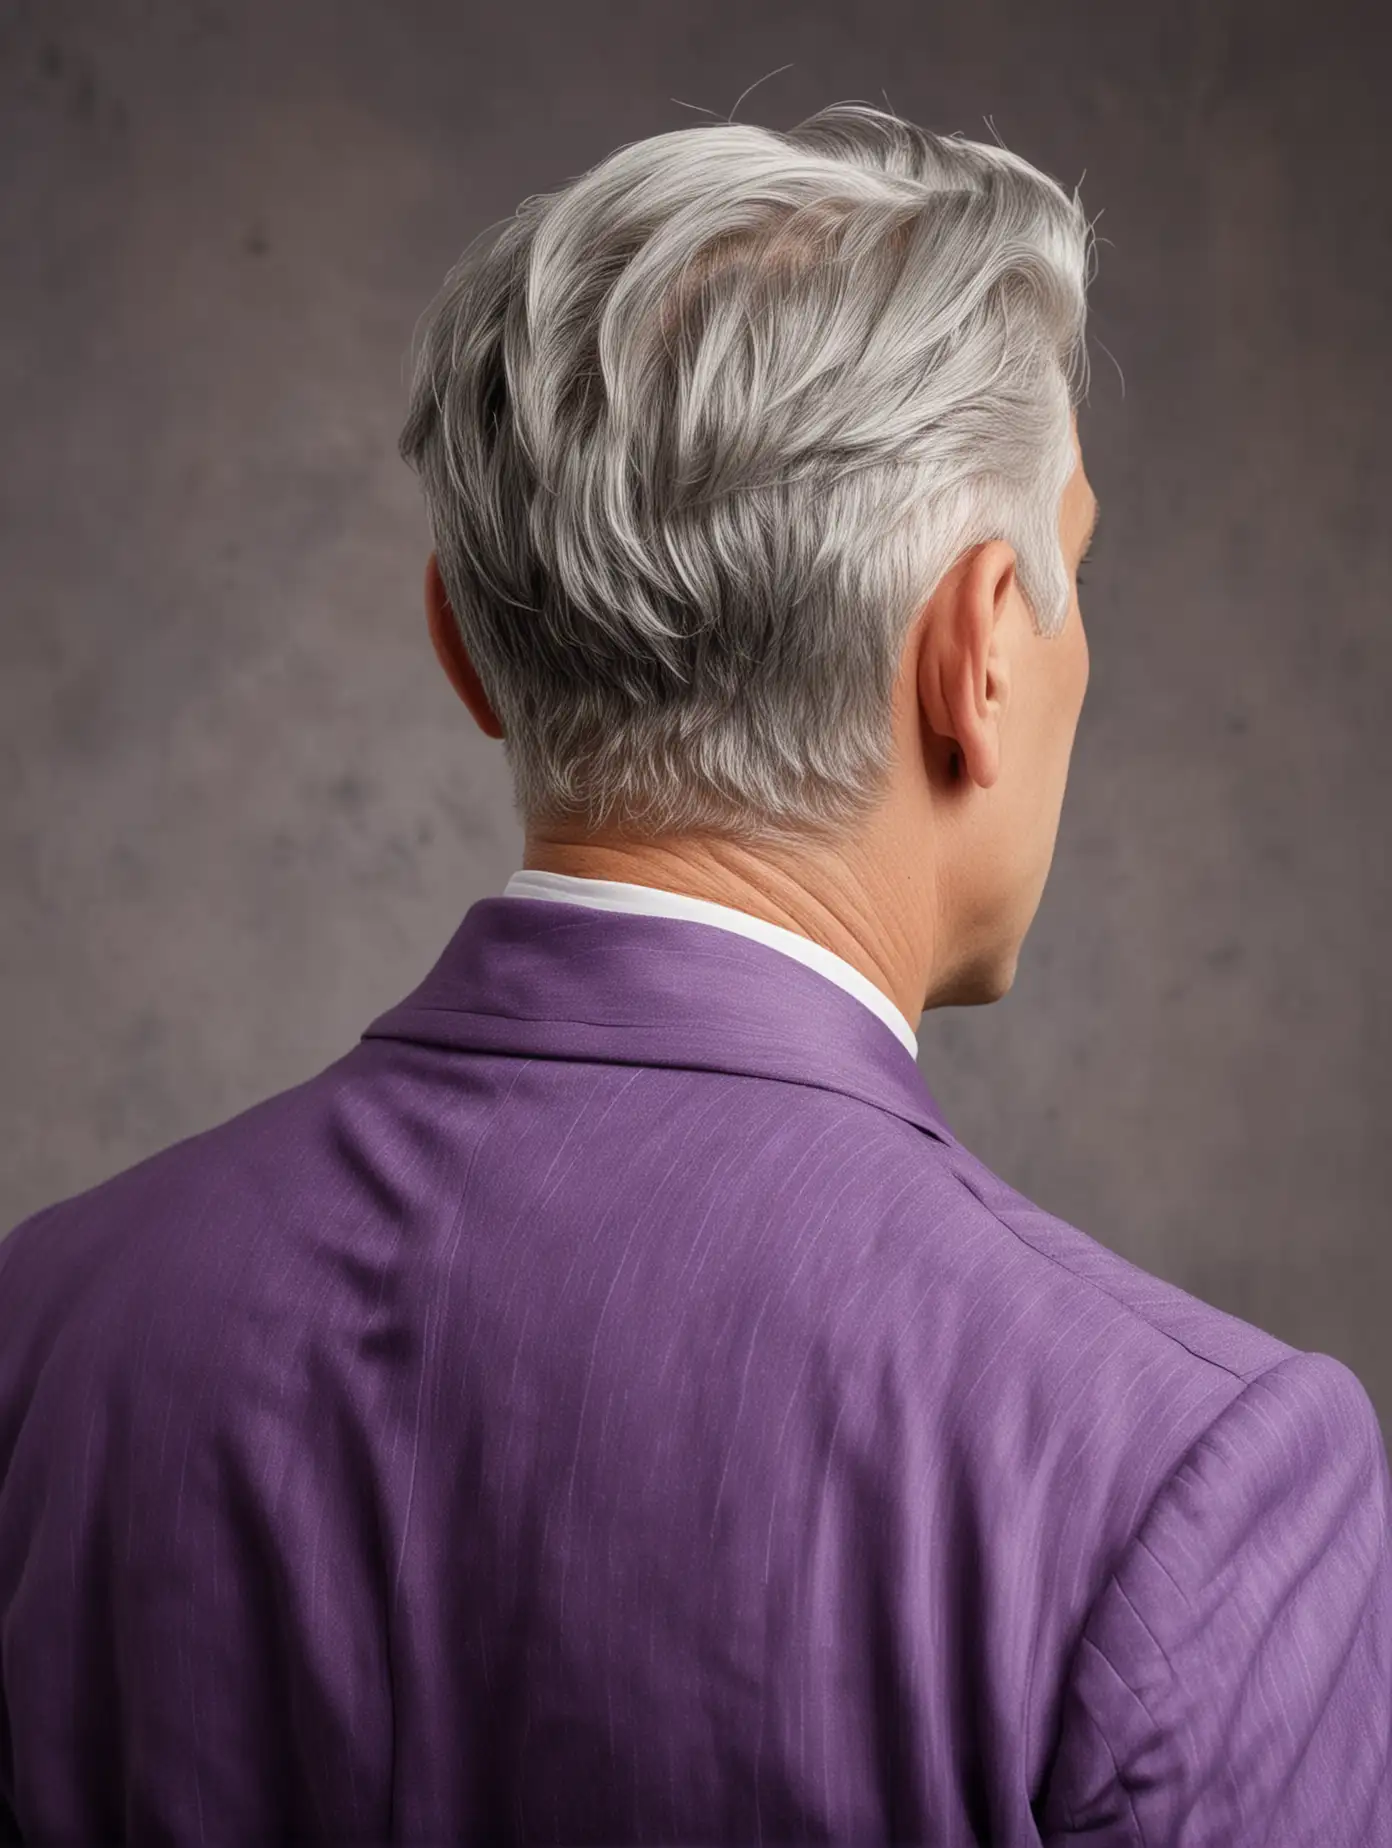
451	654
963	675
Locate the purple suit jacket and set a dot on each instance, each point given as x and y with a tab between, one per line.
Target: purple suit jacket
609	1405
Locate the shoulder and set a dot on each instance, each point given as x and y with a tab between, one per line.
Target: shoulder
1081	1267
1055	1360
163	1251
1018	1273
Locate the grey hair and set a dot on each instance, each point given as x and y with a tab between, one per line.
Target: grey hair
700	433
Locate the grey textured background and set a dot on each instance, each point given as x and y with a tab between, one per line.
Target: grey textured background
242	809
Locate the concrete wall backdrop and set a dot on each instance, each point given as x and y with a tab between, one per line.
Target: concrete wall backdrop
242	809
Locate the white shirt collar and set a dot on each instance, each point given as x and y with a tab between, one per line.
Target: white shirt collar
657	902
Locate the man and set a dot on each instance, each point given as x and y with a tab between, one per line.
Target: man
609	1404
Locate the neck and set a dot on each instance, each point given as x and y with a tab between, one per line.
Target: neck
832	901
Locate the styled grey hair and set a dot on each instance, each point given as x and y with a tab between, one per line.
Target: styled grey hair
700	433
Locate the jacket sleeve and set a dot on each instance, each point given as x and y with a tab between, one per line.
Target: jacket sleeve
1233	1684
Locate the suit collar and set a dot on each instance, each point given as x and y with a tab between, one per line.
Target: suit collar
565	981
661	902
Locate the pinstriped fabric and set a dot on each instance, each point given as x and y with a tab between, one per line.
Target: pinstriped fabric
655	901
610	1405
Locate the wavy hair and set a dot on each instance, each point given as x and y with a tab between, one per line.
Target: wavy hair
700	432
